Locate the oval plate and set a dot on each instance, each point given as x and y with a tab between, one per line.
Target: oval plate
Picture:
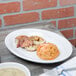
62	43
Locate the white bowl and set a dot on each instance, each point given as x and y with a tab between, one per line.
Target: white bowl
16	65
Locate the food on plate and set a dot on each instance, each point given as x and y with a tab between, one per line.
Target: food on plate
47	51
21	39
32	48
37	40
29	42
11	72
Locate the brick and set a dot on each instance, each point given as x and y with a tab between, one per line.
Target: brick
0	22
67	2
58	13
38	4
73	41
21	18
67	23
67	33
9	7
54	23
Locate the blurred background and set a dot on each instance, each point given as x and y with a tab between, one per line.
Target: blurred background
62	13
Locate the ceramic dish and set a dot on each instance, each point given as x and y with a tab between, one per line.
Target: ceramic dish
62	43
17	66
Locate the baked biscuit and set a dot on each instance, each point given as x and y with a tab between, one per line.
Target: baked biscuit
47	51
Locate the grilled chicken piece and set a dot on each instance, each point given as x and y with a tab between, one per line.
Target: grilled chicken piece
27	43
30	43
20	39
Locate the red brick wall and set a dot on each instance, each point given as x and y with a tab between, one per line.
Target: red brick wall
62	13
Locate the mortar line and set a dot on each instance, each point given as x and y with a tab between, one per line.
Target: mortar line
15	25
21	6
57	24
71	38
40	16
60	18
1	17
74	31
58	4
63	29
1	1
